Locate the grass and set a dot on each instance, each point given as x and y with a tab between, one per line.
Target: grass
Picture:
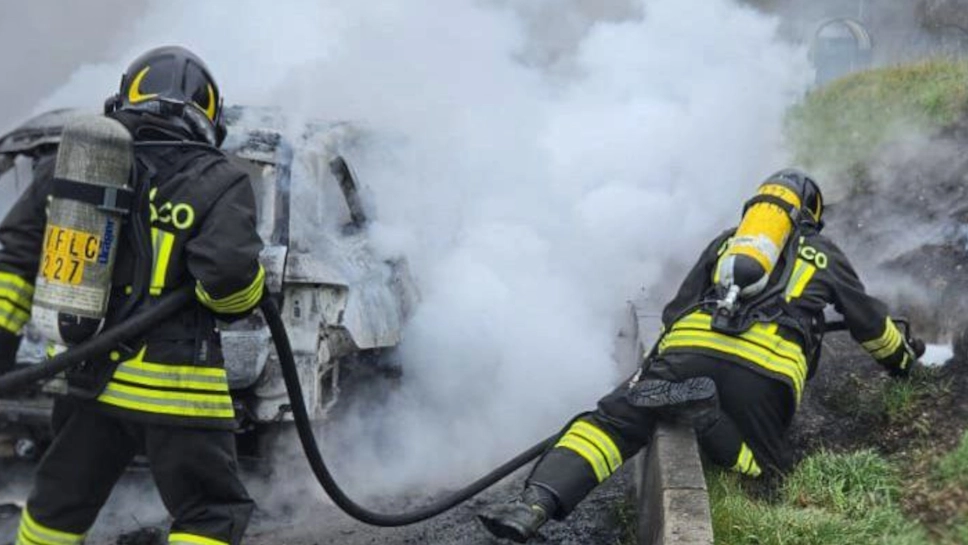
830	499
953	469
849	498
837	128
900	399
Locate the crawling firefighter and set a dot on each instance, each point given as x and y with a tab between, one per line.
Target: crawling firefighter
144	189
740	340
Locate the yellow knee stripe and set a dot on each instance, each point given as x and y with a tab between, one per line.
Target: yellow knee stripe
594	446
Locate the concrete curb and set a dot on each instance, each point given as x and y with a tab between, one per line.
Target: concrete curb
672	495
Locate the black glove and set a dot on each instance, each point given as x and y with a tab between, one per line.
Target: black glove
917	346
902	362
9	343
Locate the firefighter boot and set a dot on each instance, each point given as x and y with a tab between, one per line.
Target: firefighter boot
693	400
520	518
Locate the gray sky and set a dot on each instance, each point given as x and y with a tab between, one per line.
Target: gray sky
43	41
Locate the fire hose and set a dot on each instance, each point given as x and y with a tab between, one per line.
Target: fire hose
171	303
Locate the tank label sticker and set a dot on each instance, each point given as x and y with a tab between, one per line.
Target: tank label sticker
66	251
79	300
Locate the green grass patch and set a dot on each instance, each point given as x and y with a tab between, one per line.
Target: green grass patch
900	399
830	499
838	127
850	484
953	468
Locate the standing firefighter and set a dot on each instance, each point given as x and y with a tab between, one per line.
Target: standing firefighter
165	395
739	342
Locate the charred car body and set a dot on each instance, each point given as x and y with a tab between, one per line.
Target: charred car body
344	307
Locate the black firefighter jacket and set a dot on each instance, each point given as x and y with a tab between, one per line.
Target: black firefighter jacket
203	233
821	275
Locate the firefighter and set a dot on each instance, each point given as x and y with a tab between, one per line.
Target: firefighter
733	359
165	395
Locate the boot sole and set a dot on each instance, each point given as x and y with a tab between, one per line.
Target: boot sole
664	393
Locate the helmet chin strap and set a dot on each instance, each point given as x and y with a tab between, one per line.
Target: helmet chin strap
199	124
184	116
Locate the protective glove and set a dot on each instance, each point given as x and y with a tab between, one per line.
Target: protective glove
901	363
9	343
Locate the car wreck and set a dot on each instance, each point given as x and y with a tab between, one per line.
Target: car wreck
343	305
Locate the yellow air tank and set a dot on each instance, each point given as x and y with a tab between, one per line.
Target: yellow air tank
745	266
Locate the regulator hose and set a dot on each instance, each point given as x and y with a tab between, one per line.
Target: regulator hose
304	428
100	344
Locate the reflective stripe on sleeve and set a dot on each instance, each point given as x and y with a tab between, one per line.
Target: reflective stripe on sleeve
17	290
240	301
886	344
12	317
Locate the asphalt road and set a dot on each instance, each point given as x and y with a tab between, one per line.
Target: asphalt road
305	517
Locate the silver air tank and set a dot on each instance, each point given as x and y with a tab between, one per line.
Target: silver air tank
84	216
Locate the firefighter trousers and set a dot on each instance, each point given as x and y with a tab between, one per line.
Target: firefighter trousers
749	435
195	470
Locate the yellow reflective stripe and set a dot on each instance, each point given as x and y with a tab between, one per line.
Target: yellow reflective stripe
16	294
905	361
12	317
239	301
600	439
172	379
764	335
887	343
796	371
588	452
187	377
32	532
162	242
746	462
165	402
803	272
16	283
182	538
14	297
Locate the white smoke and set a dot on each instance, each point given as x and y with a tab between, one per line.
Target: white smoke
539	179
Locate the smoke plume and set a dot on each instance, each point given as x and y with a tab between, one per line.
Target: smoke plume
549	161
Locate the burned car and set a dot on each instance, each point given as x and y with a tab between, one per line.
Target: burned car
343	306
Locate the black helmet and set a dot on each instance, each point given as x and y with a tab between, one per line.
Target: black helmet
811	199
173	82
